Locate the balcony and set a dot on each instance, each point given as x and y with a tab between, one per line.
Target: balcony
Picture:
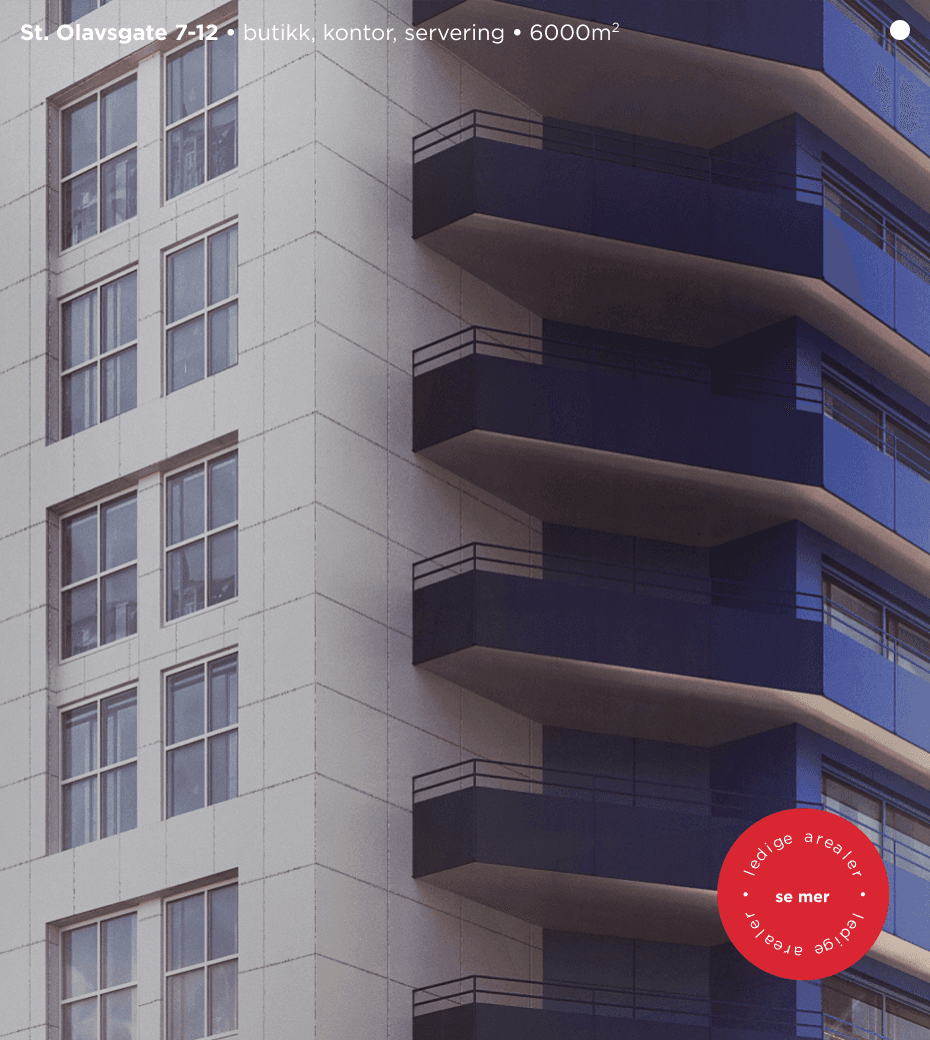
557	848
708	71
603	647
522	417
482	1007
612	231
579	852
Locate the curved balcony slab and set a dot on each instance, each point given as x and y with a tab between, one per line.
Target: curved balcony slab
499	422
706	71
677	258
609	856
618	661
602	906
607	491
486	1008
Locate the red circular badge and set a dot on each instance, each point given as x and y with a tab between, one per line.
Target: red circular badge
803	894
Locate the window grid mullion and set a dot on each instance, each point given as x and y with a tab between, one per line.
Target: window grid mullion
118	765
78	584
201	965
222	527
185	119
186	543
199	739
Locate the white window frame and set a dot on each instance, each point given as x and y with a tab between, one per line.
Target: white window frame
99	992
203	113
98	577
208	308
97	361
206	734
97	164
204	536
203	965
99	770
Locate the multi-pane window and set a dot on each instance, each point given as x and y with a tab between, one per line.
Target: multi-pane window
902	837
874	624
98	575
98	769
71	10
201	943
891	432
98	162
98	974
910	247
201	309
202	713
201	536
201	112
853	1011
98	354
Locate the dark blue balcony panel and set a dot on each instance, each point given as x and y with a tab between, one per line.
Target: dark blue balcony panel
572	835
499	1010
563	858
820	58
505	179
592	651
626	438
604	854
624	410
657	240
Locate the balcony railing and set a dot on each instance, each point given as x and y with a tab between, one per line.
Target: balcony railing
616	790
499	559
538	350
911	854
616	147
913	52
637	1005
908	245
539	566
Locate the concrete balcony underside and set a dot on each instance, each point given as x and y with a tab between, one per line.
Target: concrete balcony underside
684	92
607	491
602	906
586	279
633	909
603	698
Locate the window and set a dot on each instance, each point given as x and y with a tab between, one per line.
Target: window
894	433
98	973
199	106
71	10
900	836
874	624
98	769
867	214
98	599
202	510
201	309
852	210
98	355
98	163
202	712
856	1012
201	945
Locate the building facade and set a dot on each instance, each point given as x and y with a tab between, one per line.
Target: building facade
443	472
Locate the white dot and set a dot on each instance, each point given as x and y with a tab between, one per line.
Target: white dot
900	30
230	32
516	32
862	893
745	893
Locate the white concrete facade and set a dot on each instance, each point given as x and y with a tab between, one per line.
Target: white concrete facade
333	510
